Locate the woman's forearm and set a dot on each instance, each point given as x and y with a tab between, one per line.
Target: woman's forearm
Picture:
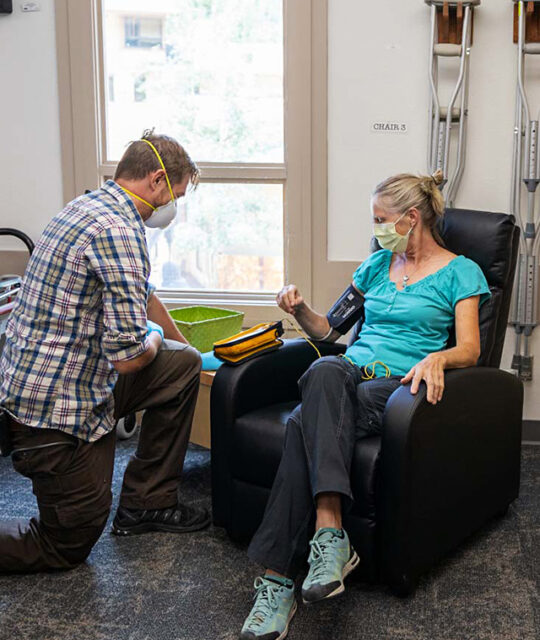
458	357
313	323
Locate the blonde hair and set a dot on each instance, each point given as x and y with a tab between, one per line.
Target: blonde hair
404	191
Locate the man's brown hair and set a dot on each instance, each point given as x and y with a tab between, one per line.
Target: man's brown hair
139	159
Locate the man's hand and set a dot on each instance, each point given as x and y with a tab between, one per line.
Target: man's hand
289	299
153	326
431	370
157	312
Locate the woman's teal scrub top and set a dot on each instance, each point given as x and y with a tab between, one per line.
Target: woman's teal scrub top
403	326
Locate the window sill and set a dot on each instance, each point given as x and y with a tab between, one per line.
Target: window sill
256	307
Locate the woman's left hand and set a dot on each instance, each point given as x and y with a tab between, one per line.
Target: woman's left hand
430	369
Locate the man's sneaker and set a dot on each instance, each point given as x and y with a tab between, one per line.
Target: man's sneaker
179	519
272	612
331	559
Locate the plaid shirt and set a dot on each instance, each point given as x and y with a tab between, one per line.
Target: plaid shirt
82	306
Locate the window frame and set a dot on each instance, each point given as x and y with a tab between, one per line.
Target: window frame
82	102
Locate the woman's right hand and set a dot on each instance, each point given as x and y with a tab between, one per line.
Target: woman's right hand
289	299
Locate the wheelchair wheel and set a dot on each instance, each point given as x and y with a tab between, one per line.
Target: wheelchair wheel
126	427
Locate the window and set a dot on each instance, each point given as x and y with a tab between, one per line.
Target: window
217	87
227	236
231	81
141	32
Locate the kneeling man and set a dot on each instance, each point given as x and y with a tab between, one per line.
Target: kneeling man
87	343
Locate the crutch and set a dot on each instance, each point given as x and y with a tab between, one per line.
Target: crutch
451	37
525	170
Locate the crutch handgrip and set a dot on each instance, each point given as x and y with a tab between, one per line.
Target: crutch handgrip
447	50
532	48
454	3
456	113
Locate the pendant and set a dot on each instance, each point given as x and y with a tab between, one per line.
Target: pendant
405	280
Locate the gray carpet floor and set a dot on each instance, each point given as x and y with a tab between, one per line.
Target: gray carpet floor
198	586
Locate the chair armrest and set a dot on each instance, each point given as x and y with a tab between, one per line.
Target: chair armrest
446	468
267	379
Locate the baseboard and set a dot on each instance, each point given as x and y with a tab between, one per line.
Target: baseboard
531	431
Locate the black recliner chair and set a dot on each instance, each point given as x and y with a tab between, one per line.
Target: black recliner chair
436	474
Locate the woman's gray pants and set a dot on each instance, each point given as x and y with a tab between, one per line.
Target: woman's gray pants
337	409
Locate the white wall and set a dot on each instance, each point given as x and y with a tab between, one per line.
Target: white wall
30	164
378	70
378	61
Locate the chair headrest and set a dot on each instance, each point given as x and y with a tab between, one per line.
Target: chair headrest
483	237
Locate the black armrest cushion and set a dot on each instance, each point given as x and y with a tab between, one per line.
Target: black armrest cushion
266	380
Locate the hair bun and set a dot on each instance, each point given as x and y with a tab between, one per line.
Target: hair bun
438	177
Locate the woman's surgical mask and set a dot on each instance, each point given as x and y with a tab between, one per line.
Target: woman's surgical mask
389	238
161	217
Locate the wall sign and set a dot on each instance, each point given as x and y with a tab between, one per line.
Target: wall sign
389	127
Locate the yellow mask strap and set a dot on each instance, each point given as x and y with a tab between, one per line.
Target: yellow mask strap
162	166
134	195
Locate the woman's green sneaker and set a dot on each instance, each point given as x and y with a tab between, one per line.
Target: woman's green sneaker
331	559
272	612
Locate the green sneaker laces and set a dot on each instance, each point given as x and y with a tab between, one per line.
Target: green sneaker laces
320	556
265	602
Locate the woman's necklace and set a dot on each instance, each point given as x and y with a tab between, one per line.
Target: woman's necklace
407	277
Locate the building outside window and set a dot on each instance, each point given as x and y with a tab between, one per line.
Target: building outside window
143	32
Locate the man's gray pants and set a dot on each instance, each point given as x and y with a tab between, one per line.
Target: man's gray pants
72	482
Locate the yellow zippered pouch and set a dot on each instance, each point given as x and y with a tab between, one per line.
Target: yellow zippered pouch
250	343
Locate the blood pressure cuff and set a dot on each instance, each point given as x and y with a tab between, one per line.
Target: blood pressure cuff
5	435
346	311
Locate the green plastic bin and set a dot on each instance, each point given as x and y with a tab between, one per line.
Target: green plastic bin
202	326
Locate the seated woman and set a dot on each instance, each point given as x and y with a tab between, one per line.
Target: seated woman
415	291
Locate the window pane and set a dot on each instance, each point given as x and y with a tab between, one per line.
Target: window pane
213	74
143	32
226	237
139	88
